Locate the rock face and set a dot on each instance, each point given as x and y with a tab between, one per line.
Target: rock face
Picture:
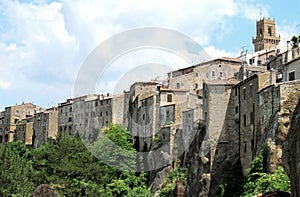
196	181
291	153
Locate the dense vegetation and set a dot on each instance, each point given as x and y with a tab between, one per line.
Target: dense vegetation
179	174
258	179
68	167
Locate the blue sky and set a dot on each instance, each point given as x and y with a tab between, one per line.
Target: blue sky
44	43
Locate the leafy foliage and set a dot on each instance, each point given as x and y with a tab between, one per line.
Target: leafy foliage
179	174
295	40
233	182
258	179
67	166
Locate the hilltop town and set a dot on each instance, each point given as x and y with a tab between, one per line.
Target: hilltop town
238	105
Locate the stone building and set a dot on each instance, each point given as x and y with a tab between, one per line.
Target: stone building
220	145
248	109
291	70
11	116
286	64
24	131
277	104
65	117
265	44
45	125
192	78
265	35
87	115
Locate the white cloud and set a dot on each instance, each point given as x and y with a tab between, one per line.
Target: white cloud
251	10
213	52
42	45
286	31
4	84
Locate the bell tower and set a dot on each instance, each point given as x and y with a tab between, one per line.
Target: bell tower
265	35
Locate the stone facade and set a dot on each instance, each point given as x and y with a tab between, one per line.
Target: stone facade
248	110
24	131
192	78
265	35
45	125
11	116
220	145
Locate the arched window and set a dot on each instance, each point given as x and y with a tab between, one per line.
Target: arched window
270	31
197	74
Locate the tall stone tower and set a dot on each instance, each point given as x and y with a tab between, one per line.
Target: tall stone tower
265	35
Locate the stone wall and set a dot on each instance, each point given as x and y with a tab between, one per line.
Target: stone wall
291	153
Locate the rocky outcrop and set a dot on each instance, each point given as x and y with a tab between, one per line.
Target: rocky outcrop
197	179
291	153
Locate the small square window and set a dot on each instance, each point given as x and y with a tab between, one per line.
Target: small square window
291	76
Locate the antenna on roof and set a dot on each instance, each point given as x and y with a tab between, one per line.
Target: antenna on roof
260	15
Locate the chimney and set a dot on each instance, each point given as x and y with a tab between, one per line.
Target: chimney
288	54
272	77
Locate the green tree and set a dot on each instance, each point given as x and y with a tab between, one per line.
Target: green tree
259	180
16	171
295	40
233	182
179	174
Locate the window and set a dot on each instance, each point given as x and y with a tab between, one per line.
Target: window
143	116
206	75
168	114
70	119
235	91
196	86
213	73
70	109
169	97
6	138
291	76
221	74
258	62
244	93
106	113
251	61
177	85
270	31
197	74
250	90
236	109
96	103
17	112
260	32
244	120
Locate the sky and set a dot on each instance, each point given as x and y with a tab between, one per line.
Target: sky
43	44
